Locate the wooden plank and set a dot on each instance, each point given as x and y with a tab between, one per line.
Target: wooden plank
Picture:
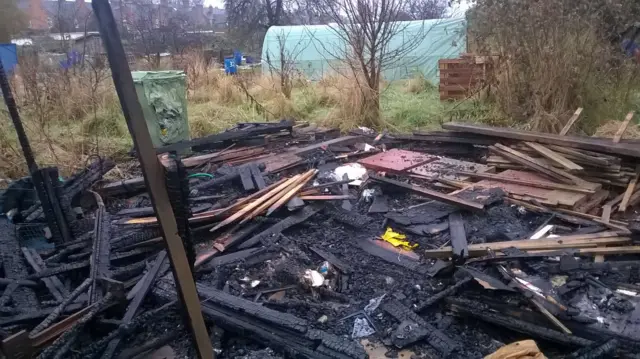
292	192
593	202
346	205
346	140
629	191
587	240
581	157
275	198
546	169
569	123
326	197
537	184
445	198
555	157
603	251
622	128
529	164
255	203
627	148
396	160
459	245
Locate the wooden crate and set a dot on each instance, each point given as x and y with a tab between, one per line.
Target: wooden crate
459	77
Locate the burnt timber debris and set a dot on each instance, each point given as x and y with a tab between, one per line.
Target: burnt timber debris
483	251
271	237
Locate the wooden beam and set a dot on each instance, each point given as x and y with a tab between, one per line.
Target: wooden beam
547	169
627	148
562	210
529	163
622	128
537	184
292	192
445	198
587	240
597	251
582	157
555	157
346	140
458	234
629	191
571	121
326	197
255	203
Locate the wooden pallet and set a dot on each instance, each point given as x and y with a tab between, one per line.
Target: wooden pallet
458	77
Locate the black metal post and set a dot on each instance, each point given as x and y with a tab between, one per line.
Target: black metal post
154	175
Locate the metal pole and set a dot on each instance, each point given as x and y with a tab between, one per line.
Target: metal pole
17	123
153	175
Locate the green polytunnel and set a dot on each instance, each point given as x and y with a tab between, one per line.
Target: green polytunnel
314	50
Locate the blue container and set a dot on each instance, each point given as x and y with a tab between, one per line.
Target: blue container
230	66
248	59
237	55
8	56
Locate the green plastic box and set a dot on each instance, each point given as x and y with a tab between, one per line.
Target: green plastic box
162	95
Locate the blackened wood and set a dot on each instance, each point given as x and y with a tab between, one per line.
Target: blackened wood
37	314
246	178
257	176
134	306
346	205
627	148
331	258
475	309
99	261
56	289
455	201
437	339
13	265
231	258
256	310
221	140
379	204
391	257
458	237
296	218
435	298
57	311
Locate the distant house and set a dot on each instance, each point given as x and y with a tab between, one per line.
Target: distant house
59	15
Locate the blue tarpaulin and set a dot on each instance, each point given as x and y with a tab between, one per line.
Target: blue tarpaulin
8	56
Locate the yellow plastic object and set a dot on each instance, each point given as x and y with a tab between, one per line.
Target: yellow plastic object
397	240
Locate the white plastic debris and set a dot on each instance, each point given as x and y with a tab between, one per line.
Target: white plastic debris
368	147
361	328
323	319
354	172
368	193
373	304
254	283
366	129
314	278
630	293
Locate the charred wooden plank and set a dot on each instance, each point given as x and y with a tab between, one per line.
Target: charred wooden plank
13	265
53	283
458	237
134	306
437	339
99	261
57	311
232	258
331	258
455	201
246	178
449	291
477	310
257	176
391	256
627	148
37	314
296	218
256	310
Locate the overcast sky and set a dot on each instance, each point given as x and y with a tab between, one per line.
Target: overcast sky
458	9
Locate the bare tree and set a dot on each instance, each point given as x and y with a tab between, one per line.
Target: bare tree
283	63
426	9
373	40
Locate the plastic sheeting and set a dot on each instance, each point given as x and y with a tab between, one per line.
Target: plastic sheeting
313	49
